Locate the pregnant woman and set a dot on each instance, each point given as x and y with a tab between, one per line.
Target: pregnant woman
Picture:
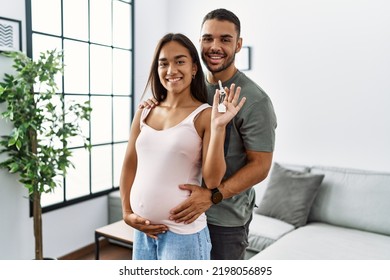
178	142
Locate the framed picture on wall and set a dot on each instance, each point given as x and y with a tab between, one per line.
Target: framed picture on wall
243	59
10	34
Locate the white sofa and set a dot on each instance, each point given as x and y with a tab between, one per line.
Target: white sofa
348	219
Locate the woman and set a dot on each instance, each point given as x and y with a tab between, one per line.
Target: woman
180	141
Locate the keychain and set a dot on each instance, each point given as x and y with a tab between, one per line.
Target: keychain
222	95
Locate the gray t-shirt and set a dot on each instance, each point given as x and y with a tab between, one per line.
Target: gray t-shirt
252	129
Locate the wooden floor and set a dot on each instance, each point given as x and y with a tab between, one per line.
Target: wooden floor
108	251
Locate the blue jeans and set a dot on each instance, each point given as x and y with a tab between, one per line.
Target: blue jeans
172	246
229	243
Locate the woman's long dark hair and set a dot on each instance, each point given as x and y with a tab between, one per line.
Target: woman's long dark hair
198	85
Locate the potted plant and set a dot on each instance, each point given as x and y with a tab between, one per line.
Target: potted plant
37	147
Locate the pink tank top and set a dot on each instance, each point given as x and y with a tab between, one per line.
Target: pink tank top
166	159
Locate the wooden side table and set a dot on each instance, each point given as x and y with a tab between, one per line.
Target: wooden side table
118	231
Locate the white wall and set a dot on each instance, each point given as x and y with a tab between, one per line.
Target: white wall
323	63
150	26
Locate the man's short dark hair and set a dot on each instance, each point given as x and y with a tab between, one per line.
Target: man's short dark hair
223	14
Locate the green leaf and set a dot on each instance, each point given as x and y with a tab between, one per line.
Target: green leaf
18	144
12	141
13	167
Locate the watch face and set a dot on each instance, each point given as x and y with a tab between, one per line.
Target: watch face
216	197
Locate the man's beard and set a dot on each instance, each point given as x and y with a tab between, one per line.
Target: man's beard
222	67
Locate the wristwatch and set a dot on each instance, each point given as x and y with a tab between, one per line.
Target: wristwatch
216	196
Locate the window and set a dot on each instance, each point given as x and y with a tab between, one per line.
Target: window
96	37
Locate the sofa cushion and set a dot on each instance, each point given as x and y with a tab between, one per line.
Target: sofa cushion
263	231
261	187
289	195
318	241
353	198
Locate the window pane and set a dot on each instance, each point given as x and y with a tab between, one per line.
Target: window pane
48	131
76	67
119	153
101	73
76	19
100	21
122	117
121	72
77	141
121	25
43	43
101	168
77	179
101	119
46	16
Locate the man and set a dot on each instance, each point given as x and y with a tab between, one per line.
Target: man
249	144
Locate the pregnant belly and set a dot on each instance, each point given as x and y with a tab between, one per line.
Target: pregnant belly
155	203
